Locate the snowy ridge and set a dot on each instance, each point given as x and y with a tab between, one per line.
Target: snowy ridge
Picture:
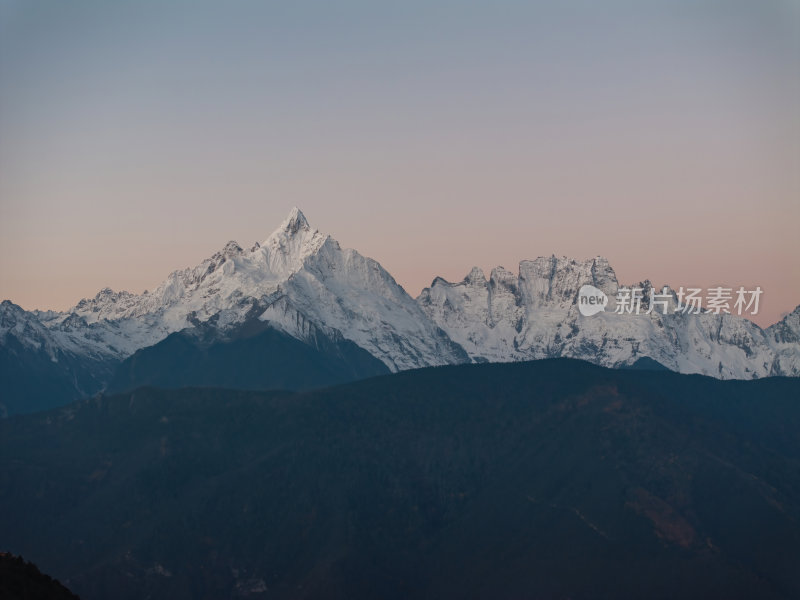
303	283
227	285
784	336
299	279
357	297
534	314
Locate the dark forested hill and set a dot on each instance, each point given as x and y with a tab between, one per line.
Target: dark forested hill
22	580
551	479
253	356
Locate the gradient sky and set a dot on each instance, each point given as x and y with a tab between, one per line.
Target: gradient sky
138	137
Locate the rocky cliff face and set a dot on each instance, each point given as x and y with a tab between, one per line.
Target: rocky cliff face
534	314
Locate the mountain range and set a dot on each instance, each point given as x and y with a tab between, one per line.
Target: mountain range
299	311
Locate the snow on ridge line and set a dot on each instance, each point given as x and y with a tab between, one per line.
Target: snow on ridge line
338	290
533	314
509	316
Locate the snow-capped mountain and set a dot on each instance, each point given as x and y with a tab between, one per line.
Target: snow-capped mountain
784	337
303	284
40	367
299	280
534	314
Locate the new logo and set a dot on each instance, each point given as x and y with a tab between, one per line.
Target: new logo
591	300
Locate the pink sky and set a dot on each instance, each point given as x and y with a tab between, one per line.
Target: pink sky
138	139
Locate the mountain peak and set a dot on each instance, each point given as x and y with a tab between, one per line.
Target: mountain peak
291	243
476	276
293	230
295	221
